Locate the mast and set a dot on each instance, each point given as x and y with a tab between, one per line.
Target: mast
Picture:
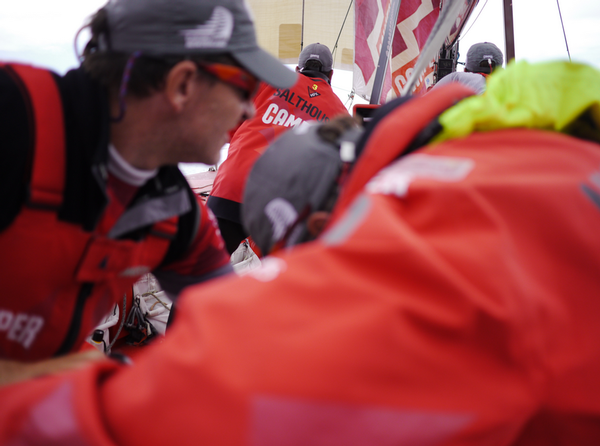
386	49
509	33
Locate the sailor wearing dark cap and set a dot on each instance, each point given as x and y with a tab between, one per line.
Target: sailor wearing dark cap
91	194
482	59
277	111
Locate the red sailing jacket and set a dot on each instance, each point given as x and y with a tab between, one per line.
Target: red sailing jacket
58	283
454	301
310	99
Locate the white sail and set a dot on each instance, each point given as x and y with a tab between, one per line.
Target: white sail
283	26
353	30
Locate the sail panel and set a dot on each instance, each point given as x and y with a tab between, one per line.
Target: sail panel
370	20
414	24
283	26
464	14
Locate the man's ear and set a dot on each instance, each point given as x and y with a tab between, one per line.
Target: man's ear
330	75
316	222
180	84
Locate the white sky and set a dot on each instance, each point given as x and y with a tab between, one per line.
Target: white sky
538	30
41	31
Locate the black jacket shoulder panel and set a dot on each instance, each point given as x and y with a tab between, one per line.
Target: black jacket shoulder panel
189	223
87	130
16	145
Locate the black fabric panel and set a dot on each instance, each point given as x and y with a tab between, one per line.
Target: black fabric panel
315	74
378	116
233	234
229	217
422	138
16	145
188	224
225	209
174	283
85	107
172	314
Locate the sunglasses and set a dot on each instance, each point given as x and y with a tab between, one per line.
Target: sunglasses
236	77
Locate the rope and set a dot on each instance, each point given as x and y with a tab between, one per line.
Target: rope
350	99
155	303
341	29
473	23
563	28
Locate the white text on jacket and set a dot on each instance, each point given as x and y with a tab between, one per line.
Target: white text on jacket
21	328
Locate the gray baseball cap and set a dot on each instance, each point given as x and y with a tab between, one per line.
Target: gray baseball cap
295	176
192	27
482	52
316	51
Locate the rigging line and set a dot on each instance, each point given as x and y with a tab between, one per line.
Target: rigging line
302	29
350	99
341	29
563	28
345	90
473	23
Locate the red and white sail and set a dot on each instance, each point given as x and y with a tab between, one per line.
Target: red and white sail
414	25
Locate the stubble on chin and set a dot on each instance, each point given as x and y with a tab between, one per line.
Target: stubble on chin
212	154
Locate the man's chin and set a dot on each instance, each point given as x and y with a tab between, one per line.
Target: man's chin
215	159
209	157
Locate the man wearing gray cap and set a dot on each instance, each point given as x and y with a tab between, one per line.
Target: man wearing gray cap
277	110
91	195
294	185
482	59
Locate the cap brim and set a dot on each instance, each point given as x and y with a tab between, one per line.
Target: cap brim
266	67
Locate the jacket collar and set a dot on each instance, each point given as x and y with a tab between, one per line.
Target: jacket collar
316	74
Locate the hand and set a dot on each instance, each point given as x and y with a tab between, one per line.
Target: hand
15	371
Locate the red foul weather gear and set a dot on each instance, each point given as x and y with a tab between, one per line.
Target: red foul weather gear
58	279
453	301
310	99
